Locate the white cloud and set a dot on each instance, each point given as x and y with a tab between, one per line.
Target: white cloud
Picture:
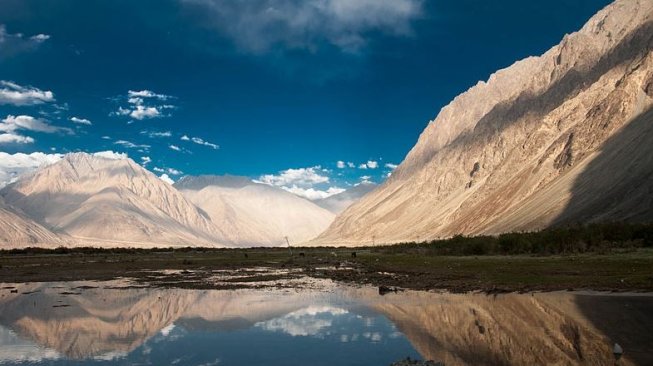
371	164
166	178
167	329
175	147
13	123
199	141
310	321
142	112
147	94
312	193
171	171
14	165
301	177
144	104
17	95
365	179
109	154
341	164
40	38
391	166
81	121
145	160
154	134
350	164
260	25
10	138
131	145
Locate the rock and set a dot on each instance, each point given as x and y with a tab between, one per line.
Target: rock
385	290
617	351
543	132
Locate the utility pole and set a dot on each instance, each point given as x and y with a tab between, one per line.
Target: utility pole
373	240
288	242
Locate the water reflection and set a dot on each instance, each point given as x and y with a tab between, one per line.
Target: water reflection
73	324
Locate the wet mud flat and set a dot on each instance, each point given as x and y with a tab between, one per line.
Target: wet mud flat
277	268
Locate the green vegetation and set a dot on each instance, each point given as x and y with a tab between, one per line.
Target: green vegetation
593	238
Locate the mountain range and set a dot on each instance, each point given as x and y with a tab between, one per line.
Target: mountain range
86	199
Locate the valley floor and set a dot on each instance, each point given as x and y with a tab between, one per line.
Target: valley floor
620	270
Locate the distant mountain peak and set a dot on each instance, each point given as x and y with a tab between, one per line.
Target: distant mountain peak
202	181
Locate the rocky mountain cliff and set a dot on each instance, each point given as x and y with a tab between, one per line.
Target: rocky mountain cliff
255	214
563	137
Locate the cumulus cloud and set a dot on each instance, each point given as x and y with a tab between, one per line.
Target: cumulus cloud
391	166
312	193
261	25
301	177
174	147
302	182
14	165
14	43
341	164
13	123
166	178
310	321
81	121
144	104
11	138
145	160
109	154
40	37
171	171
372	164
17	95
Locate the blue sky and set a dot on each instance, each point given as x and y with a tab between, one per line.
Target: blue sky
255	87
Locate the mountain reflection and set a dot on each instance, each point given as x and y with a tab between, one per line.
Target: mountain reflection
63	321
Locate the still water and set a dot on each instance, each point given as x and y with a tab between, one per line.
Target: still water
113	324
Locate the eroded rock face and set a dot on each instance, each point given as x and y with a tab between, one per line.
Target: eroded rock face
534	137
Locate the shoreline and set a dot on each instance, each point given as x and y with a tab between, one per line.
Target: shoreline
621	272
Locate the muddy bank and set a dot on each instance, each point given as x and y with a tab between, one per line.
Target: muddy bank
254	268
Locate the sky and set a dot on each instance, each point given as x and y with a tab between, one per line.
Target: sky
313	96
